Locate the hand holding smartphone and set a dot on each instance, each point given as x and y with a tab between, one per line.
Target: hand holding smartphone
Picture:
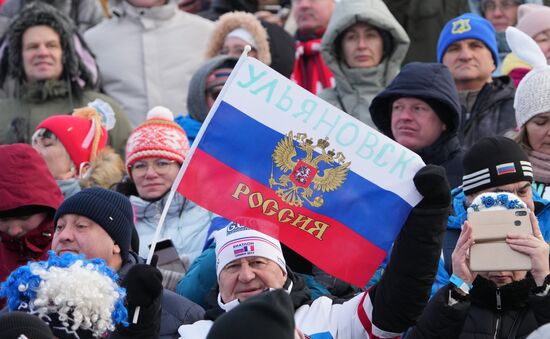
490	252
168	257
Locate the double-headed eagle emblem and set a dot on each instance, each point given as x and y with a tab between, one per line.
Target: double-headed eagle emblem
326	170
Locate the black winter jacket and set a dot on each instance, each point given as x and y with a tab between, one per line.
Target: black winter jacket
434	84
492	114
447	153
518	313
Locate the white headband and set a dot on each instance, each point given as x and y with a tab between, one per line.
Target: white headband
244	35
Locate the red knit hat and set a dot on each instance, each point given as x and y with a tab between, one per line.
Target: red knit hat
158	137
79	133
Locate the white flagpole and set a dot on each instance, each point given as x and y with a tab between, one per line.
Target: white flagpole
177	181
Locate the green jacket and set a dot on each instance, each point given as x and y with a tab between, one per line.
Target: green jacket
19	116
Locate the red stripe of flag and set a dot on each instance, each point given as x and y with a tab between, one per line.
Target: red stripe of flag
212	184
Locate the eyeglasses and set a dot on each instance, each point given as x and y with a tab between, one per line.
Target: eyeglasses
160	166
504	5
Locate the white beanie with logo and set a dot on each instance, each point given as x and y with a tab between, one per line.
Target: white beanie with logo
236	241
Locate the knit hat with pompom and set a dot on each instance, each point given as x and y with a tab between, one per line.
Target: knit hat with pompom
83	133
158	137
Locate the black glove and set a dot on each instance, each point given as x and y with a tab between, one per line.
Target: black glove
431	181
143	285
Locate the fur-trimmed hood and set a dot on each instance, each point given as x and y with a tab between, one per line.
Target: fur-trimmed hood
39	13
233	20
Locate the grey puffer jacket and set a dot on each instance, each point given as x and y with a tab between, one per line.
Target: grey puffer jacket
355	88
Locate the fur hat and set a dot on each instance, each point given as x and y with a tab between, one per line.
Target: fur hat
467	26
84	133
532	93
533	19
77	298
158	137
494	161
236	241
110	210
40	13
229	22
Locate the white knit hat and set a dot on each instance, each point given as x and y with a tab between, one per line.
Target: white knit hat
532	95
236	241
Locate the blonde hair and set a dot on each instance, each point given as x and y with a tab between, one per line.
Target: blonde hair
90	113
105	171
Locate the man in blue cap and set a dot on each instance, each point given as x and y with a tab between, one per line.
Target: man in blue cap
468	47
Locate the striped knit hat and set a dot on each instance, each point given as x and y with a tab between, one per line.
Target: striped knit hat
158	137
494	161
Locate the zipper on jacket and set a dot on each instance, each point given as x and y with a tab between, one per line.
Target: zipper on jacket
496	327
499	307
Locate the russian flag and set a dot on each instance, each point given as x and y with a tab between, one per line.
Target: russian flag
276	158
506	168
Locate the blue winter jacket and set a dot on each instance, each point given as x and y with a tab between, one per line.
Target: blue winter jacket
454	226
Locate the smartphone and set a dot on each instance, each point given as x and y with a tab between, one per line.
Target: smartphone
490	251
168	257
